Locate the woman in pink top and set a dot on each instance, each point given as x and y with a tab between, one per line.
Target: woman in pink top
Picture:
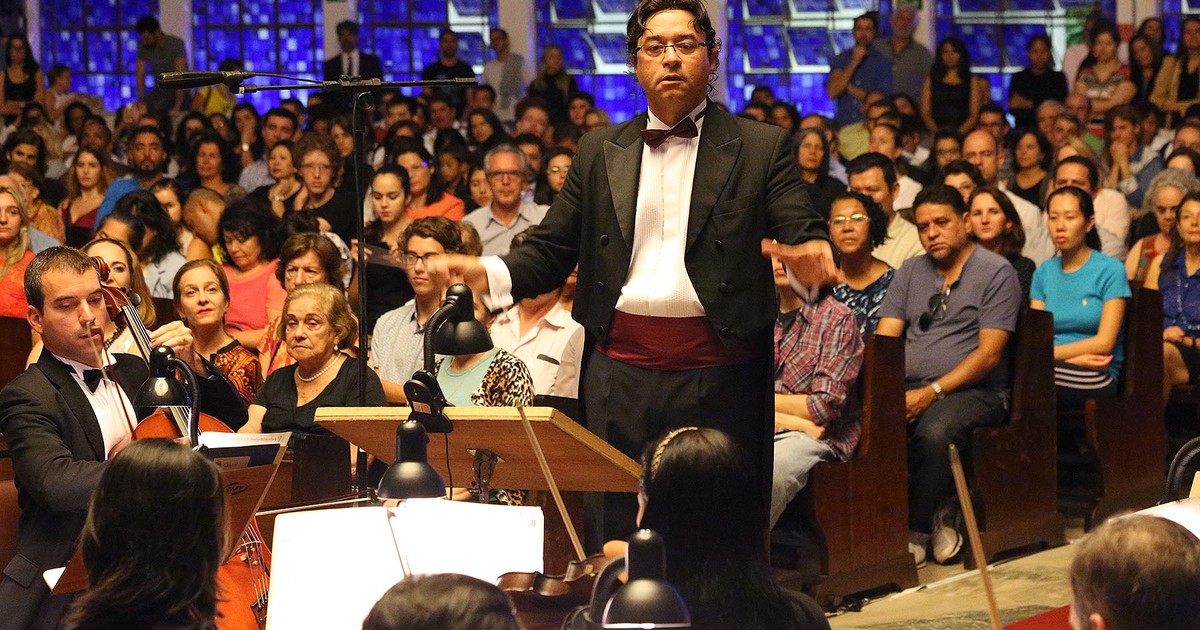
251	236
429	196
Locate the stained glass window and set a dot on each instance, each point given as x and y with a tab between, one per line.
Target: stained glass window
280	36
404	33
101	50
591	34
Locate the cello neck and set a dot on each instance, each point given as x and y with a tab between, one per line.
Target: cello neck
141	336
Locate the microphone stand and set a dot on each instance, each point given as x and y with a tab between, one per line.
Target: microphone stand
360	90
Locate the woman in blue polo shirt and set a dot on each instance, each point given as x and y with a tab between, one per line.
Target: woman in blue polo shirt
1086	292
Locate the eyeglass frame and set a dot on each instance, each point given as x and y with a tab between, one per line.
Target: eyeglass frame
678	51
409	261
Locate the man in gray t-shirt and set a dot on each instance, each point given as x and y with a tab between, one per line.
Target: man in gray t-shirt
956	307
158	52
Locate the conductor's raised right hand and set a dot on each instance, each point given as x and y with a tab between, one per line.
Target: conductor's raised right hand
453	268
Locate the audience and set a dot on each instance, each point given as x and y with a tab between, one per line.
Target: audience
951	96
1106	82
1112	211
1035	85
320	165
540	332
429	196
1162	202
1130	164
159	247
1177	87
955	359
1033	156
510	213
493	378
996	226
304	258
318	328
387	285
555	166
147	155
251	237
1086	292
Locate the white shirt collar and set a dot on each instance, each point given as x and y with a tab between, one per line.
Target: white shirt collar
655	122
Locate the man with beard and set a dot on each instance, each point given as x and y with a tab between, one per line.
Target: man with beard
146	158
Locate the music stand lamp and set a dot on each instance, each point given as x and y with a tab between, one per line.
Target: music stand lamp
163	389
646	601
451	330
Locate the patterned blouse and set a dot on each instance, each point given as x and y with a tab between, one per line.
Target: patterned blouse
240	366
865	303
1180	296
272	347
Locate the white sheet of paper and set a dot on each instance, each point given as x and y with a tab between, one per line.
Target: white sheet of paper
329	567
212	439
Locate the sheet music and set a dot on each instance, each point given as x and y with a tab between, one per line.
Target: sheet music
232	451
329	567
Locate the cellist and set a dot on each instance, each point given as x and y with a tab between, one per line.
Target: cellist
63	418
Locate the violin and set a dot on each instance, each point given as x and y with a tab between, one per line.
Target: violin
243	580
542	601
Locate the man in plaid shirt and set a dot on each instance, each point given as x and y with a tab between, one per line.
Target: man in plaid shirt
818	355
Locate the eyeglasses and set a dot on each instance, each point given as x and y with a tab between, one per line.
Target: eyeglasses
411	260
683	48
937	309
857	219
500	174
316	168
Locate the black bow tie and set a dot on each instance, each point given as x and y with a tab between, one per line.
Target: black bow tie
685	128
92	378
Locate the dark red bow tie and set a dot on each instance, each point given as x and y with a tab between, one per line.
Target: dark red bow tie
685	128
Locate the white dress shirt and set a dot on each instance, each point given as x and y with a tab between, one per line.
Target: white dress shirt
112	407
350	65
552	349
658	284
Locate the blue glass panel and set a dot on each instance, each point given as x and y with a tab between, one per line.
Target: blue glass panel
429	11
1030	5
971	6
102	51
225	44
541	13
472	49
298	52
611	47
258	50
766	47
101	13
263	12
810	46
616	94
66	13
577	54
842	40
619	7
859	5
299	12
814	6
133	10
765	8
572	9
981	42
388	11
806	91
391	44
473	8
68	48
424	46
109	90
129	46
998	84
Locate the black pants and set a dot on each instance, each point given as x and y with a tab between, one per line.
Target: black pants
629	406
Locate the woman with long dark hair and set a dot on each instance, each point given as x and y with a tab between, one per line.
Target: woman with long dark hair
486	130
952	95
154	539
429	197
1086	292
812	154
22	77
553	85
159	249
213	165
698	494
1145	63
1033	155
1178	85
556	163
87	181
996	226
388	288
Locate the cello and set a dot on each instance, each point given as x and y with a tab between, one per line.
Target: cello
244	578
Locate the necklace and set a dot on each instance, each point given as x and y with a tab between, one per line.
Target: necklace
316	376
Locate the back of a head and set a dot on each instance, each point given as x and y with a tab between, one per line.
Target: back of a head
445	601
1138	573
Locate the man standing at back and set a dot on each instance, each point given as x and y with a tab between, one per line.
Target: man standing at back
350	62
910	58
666	216
507	75
158	53
449	66
856	72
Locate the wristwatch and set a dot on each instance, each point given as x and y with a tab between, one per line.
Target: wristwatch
938	392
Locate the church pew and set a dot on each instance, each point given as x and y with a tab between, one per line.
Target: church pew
1127	435
1012	468
860	508
17	344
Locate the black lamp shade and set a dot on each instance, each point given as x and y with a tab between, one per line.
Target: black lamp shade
411	476
460	333
162	389
647	600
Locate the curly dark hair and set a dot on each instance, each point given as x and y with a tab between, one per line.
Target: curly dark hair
231	168
877	230
145	206
245	218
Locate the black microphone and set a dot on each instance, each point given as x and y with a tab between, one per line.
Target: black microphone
191	79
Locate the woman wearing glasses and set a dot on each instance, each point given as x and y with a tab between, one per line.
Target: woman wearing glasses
555	165
996	226
857	225
1086	292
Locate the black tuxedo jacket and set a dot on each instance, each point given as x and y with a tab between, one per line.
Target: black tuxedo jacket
747	187
58	456
369	66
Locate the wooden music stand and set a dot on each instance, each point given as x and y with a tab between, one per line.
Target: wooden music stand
580	460
244	492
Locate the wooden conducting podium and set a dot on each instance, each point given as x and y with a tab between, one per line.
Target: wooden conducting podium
578	460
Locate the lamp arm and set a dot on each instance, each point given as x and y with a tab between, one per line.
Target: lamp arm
194	392
434	322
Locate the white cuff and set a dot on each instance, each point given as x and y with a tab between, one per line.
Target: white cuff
499	295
